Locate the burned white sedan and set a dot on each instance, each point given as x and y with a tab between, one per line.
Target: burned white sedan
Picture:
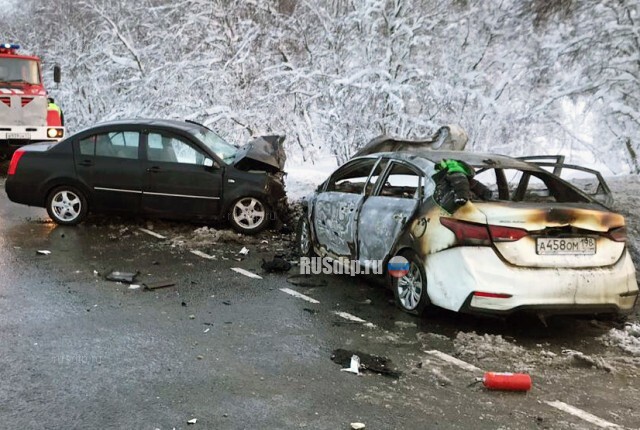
514	237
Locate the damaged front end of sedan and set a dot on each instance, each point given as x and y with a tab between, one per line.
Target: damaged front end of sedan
266	154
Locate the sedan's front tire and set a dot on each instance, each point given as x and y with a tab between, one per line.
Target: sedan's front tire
249	215
410	289
67	205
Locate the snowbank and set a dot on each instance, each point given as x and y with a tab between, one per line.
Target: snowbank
627	339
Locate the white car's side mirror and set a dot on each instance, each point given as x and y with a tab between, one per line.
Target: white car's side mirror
208	162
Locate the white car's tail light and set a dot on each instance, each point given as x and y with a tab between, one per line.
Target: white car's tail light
470	233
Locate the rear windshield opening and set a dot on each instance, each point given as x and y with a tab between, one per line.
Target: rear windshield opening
517	185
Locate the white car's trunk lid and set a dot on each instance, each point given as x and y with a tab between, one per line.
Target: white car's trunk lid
556	235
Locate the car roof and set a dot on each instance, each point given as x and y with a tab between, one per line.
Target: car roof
170	123
475	159
185	126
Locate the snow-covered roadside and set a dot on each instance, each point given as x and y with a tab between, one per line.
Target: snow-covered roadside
304	176
627	339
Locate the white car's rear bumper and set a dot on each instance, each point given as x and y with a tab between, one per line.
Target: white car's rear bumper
455	274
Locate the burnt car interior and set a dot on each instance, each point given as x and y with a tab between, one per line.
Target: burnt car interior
400	181
518	185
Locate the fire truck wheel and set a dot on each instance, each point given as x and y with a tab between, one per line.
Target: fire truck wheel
249	215
66	205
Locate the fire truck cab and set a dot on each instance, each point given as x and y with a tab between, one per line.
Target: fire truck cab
26	116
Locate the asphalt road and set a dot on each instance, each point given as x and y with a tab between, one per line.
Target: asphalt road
78	351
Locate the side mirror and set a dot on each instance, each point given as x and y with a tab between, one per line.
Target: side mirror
208	162
56	74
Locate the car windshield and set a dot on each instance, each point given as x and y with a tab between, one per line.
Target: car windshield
15	70
218	145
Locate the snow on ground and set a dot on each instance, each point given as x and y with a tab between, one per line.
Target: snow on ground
627	339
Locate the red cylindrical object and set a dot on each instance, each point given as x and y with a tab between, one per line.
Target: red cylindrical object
507	381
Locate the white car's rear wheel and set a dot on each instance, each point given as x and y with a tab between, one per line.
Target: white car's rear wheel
410	289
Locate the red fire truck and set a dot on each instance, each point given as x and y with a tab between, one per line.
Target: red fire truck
26	114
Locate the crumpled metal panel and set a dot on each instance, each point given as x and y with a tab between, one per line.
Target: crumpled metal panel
265	153
380	223
449	137
334	222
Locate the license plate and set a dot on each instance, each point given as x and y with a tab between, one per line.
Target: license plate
19	136
565	246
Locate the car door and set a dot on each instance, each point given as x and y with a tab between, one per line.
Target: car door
336	209
108	162
180	179
385	213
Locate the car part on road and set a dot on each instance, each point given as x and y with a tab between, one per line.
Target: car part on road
354	366
410	290
249	215
357	426
158	284
126	277
66	205
277	265
372	363
43	252
308	281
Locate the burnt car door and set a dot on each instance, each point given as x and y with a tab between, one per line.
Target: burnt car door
180	180
386	212
109	164
336	209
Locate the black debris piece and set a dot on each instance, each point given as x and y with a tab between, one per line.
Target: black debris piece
184	304
126	277
311	311
307	281
226	302
277	265
158	284
371	363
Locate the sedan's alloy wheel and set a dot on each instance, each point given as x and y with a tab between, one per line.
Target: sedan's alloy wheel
66	205
410	288
249	213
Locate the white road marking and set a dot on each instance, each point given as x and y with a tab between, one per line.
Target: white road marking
246	273
152	233
586	416
354	318
203	255
452	360
299	295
